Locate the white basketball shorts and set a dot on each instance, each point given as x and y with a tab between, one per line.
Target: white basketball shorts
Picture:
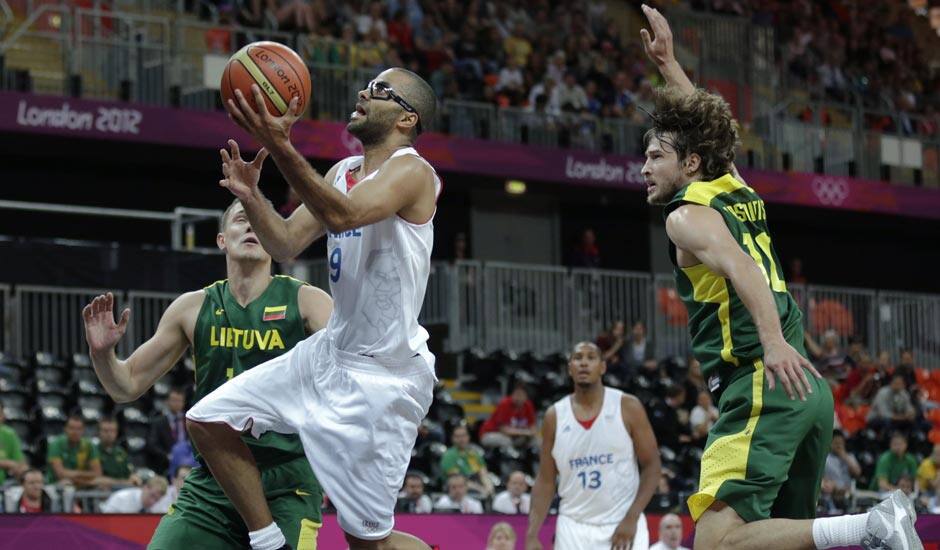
356	417
574	535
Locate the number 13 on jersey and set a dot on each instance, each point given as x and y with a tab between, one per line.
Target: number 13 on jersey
590	480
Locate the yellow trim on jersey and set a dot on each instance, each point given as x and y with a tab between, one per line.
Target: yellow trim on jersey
295	279
712	289
308	534
726	458
702	192
266	87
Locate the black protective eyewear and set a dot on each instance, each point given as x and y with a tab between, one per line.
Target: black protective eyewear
384	92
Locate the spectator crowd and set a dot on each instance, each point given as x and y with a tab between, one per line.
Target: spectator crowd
557	56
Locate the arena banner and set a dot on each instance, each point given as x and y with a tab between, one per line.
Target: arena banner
329	141
442	531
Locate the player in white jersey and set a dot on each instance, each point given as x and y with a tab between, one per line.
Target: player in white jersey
599	443
355	392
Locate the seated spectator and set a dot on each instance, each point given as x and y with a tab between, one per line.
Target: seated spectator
650	382
611	345
12	462
515	499
181	455
136	500
892	408
638	349
172	492
456	499
842	469
841	466
586	253
31	497
864	381
166	430
115	468
667	417
73	459
512	423
927	471
664	499
670	534
906	369
893	464
568	95
466	460
703	417
502	537
412	500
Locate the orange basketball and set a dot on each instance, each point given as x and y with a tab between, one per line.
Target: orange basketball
276	69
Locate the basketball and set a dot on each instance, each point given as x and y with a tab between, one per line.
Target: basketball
275	68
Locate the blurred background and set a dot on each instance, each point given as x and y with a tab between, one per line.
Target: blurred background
110	123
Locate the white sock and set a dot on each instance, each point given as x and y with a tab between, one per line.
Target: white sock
839	531
269	538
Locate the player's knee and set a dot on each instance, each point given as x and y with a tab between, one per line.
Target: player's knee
395	541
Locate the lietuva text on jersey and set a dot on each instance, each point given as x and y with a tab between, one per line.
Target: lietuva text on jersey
748	211
229	337
592	460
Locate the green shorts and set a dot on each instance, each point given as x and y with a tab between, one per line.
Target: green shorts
766	454
203	517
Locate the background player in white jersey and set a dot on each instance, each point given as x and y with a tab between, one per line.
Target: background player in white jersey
599	443
355	393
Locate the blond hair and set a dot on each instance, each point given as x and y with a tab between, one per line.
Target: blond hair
501	527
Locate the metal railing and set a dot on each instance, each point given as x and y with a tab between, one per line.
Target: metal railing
50	319
6	318
182	220
518	308
146	311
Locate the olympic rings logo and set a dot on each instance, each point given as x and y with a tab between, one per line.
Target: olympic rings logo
831	191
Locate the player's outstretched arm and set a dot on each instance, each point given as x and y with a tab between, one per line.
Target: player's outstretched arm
316	307
660	50
702	232
544	488
282	238
647	457
128	379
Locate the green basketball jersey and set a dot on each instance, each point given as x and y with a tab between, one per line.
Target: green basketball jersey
230	339
723	332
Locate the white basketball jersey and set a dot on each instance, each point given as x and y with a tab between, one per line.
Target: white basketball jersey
378	277
598	474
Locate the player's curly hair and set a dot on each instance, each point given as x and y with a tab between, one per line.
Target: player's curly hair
699	123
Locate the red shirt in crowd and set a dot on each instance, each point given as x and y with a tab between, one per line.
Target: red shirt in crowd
25	508
507	413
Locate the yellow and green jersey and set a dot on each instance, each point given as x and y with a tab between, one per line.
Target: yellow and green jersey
229	339
724	336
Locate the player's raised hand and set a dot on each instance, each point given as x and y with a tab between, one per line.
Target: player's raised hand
269	130
622	538
101	331
782	361
659	47
241	177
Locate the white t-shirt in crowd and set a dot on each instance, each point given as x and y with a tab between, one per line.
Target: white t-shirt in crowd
503	503
661	546
468	505
127	501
